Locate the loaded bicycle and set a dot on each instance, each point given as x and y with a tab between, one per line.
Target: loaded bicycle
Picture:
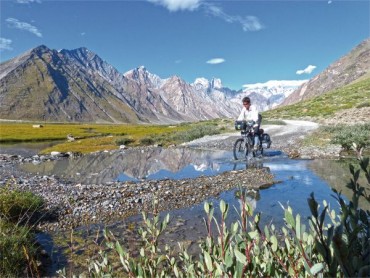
243	147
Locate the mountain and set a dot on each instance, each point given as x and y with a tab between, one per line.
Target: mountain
66	86
78	86
271	93
346	70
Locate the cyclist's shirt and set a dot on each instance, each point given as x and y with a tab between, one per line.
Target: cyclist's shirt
249	115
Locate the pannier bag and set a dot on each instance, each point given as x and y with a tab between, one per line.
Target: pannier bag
240	125
266	141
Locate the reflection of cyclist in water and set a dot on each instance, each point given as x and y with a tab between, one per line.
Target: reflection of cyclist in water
250	113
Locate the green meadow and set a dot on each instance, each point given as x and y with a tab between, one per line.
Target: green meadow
97	137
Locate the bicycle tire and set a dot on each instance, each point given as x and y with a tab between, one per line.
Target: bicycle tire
250	149
240	151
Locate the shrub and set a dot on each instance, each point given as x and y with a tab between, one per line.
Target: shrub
347	135
17	250
18	205
17	240
364	104
146	141
124	141
334	247
195	133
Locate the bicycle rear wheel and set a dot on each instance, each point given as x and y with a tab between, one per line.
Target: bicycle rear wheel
240	150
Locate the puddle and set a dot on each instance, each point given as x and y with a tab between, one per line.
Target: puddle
26	148
298	179
135	165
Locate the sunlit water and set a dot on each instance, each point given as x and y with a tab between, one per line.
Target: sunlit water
297	180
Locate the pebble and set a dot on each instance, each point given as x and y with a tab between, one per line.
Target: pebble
76	203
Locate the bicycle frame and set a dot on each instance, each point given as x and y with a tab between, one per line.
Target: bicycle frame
243	146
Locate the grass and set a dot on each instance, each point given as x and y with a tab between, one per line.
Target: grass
98	137
16	244
15	205
320	137
351	96
18	252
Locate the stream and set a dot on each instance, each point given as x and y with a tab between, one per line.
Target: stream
297	179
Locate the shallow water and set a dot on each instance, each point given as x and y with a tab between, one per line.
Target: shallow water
26	148
297	180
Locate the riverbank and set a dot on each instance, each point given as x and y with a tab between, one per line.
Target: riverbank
72	204
287	138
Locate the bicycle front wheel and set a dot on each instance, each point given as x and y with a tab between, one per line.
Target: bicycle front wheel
240	150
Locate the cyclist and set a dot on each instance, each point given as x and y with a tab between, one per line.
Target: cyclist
250	113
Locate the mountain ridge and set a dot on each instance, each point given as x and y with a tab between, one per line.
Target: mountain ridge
79	86
343	71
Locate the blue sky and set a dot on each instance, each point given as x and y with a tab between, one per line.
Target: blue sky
240	42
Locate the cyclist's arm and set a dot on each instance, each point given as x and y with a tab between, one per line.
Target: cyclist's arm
254	114
242	115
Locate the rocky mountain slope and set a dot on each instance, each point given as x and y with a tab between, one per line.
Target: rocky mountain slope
78	86
349	68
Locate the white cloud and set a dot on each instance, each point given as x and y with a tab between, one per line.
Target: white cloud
27	1
307	70
5	44
215	61
329	2
83	34
15	23
249	23
178	5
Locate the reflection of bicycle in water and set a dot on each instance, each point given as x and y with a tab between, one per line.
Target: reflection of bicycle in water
243	147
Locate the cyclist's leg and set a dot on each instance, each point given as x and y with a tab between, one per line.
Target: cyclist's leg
256	136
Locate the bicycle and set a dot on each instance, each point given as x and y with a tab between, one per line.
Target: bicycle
243	146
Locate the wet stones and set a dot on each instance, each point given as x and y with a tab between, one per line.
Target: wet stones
76	204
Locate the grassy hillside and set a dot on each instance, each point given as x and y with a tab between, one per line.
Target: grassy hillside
353	95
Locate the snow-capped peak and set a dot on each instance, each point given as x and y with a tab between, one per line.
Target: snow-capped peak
275	83
140	74
201	83
216	83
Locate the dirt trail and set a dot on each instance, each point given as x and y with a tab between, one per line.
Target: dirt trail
282	136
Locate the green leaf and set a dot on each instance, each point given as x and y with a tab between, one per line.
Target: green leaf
222	206
240	257
142	252
208	261
313	205
119	249
176	271
229	259
298	226
316	268
274	242
322	217
289	218
206	207
253	234
234	228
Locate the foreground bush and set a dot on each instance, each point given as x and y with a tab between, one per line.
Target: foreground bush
18	205
18	251
332	246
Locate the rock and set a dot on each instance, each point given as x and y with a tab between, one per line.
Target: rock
70	138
